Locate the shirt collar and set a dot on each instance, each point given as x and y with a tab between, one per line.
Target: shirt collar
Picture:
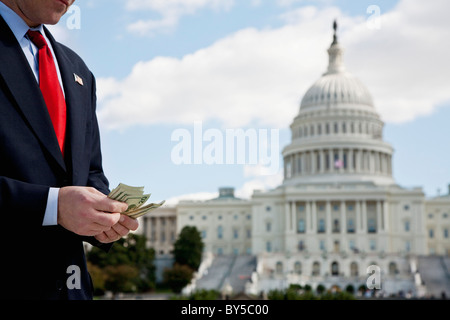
17	25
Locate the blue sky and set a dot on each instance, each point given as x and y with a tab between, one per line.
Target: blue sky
162	65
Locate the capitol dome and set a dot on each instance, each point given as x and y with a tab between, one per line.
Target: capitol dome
337	137
337	88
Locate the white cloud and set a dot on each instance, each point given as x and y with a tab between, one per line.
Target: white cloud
170	11
257	77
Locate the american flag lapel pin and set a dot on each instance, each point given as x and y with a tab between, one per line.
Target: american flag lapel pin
78	79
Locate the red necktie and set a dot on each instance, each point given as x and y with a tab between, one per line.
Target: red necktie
50	87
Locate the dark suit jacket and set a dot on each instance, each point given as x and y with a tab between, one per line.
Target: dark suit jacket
35	260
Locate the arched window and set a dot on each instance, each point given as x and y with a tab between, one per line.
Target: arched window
354	269
335	268
279	268
392	268
316	268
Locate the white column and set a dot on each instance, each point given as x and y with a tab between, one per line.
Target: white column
331	159
314	218
328	217
313	162
308	214
293	217
358	160
287	216
343	223
364	216
358	222
379	218
350	160
322	161
386	215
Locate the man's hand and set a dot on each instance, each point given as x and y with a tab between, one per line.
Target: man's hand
119	230
88	212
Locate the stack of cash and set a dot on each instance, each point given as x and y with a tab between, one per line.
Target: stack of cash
135	198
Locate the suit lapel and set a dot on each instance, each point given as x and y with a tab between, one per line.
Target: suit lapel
19	79
76	114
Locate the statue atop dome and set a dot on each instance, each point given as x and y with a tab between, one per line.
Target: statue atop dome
335	30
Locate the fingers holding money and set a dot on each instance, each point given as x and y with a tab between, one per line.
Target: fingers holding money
119	230
135	198
86	211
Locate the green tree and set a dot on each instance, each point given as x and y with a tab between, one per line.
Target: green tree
188	248
178	277
126	252
121	278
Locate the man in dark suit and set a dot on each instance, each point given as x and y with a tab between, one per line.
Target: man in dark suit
52	186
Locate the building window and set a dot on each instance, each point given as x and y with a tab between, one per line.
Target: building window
373	244
446	233
249	233
235	233
431	233
352	246
203	234
350	225
301	226
407	226
321	226
301	245
316	269
268	226
268	246
444	215
336	228
268	208
334	269
371	225
279	268
219	232
393	268
301	208
191	217
430	216
354	269
298	267
407	246
204	217
322	245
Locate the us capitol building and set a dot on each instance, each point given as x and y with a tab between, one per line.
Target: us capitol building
337	212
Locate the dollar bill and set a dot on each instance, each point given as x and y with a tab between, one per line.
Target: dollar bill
135	198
